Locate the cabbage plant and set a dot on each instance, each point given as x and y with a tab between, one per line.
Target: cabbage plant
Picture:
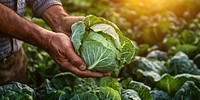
101	44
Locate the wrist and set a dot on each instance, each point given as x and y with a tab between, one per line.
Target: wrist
54	17
45	40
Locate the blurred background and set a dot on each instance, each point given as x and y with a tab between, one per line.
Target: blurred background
166	25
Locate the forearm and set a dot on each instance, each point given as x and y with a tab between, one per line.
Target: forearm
17	27
54	17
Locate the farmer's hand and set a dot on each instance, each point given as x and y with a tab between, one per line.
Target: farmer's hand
68	21
61	50
59	20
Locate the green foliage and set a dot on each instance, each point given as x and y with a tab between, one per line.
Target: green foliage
40	65
172	84
84	96
129	94
159	29
197	60
111	82
16	91
180	63
160	95
108	93
142	90
157	55
188	91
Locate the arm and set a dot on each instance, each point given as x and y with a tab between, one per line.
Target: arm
58	45
52	12
15	26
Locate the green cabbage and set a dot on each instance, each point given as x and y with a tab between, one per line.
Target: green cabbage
101	44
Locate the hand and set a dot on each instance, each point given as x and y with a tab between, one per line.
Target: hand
66	23
61	50
59	21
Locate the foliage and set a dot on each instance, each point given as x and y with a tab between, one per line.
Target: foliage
188	91
16	91
129	94
180	63
166	36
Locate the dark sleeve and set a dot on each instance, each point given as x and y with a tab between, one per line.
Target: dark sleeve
39	6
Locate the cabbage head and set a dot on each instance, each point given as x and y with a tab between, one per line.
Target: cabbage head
101	44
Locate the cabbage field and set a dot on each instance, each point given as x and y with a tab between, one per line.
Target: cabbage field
166	63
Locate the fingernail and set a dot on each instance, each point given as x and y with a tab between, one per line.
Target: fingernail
107	74
82	67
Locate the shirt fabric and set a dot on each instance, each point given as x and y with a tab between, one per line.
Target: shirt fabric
9	44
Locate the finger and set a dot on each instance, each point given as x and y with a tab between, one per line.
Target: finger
78	18
86	73
75	59
72	19
106	74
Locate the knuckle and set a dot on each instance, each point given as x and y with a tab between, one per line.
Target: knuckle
76	61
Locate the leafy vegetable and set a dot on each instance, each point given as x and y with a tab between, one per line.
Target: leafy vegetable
143	68
157	55
101	44
107	93
111	82
189	91
142	90
84	85
172	84
160	95
197	60
190	50
84	96
180	63
129	94
17	91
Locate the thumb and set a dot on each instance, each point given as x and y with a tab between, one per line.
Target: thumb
75	59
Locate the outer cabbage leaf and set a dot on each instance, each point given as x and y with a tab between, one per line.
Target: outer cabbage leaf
91	20
157	55
190	50
109	82
62	80
58	92
141	68
78	30
98	57
127	50
84	96
53	95
109	30
197	60
189	91
172	84
160	95
180	63
84	85
147	77
107	93
129	94
142	90
16	91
